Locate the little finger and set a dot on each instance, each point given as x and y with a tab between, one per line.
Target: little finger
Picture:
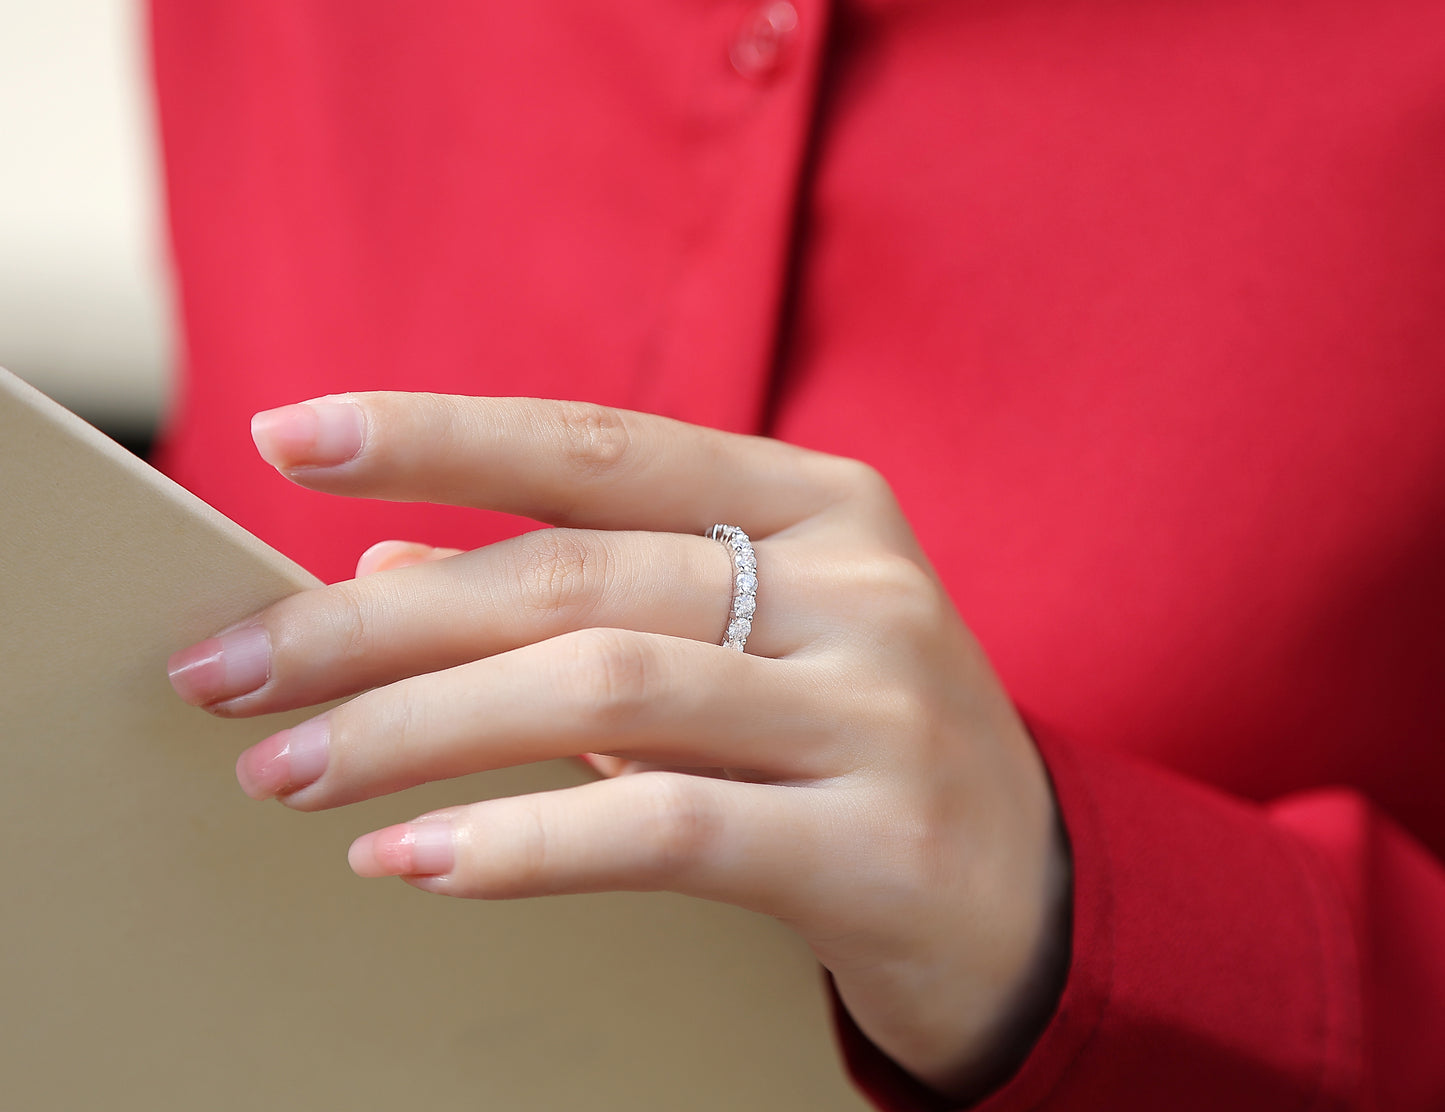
760	846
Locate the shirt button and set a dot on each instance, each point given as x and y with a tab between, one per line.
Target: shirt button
764	39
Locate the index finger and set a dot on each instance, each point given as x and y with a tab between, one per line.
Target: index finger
565	463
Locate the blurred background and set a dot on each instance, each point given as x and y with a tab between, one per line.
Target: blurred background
85	310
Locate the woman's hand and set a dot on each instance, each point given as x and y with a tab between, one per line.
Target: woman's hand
858	773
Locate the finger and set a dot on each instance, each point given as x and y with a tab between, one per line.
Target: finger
640	696
334	641
760	846
567	463
390	555
606	765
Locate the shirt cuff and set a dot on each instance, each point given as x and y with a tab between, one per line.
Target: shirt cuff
1212	962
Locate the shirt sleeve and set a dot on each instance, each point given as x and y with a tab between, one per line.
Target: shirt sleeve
1226	954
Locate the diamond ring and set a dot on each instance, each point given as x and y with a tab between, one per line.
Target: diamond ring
745	583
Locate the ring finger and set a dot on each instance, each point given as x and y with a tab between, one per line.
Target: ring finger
335	641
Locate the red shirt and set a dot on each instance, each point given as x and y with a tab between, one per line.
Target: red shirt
1141	307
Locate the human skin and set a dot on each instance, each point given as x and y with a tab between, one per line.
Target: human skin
859	773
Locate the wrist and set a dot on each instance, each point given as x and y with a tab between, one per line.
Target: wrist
1027	1014
962	1023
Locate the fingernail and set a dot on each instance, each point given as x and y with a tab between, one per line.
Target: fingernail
285	762
322	433
411	849
390	555
220	668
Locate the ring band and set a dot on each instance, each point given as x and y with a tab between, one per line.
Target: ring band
745	583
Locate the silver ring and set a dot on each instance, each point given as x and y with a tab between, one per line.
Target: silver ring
745	583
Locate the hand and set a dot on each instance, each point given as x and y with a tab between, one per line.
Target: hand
859	773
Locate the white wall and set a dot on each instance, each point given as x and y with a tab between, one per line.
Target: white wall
84	308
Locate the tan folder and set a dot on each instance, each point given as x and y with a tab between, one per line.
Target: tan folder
166	943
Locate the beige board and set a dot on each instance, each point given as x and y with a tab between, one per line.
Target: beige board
166	943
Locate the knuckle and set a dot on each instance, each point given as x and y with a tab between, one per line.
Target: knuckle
612	675
448	423
915	849
910	717
403	722
882	709
359	764
556	570
857	481
677	822
530	868
900	593
351	622
595	438
395	420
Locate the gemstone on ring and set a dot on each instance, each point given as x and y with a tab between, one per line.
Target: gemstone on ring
745	584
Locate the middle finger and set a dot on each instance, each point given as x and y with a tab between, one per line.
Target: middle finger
646	697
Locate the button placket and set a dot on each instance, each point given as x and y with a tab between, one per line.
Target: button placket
756	96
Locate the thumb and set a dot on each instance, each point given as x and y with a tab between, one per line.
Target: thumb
390	555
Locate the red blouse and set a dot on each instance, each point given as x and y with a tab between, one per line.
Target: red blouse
1140	306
